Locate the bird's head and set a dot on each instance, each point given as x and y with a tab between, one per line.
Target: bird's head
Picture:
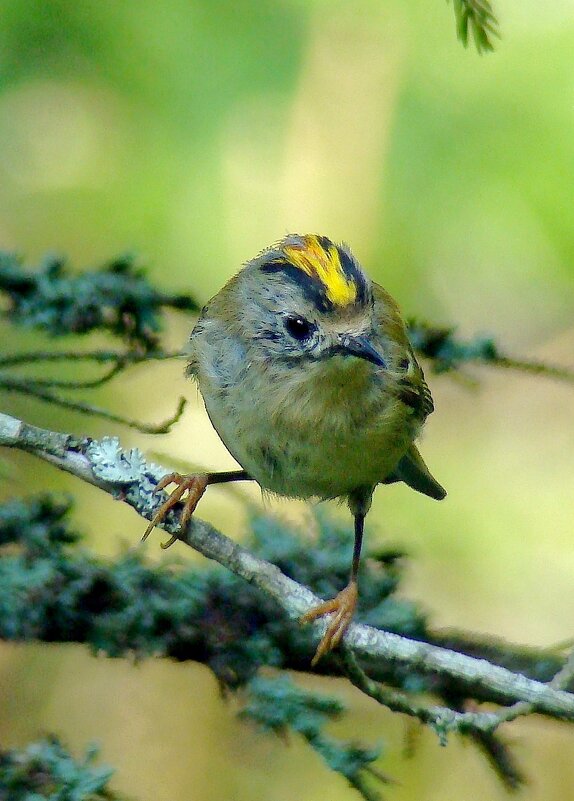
307	299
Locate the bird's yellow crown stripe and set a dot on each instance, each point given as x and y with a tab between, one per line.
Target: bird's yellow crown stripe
322	261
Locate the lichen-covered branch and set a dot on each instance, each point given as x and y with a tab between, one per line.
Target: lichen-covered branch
127	476
208	614
441	719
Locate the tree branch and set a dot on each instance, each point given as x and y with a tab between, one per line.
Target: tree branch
37	389
116	298
448	352
120	358
126	475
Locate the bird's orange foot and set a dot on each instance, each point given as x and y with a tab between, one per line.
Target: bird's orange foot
195	485
343	606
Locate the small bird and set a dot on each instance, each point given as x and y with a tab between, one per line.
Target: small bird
309	379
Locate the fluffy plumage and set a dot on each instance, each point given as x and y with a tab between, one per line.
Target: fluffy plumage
308	420
309	379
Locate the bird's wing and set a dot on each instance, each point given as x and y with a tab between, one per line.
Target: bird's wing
414	391
409	378
411	388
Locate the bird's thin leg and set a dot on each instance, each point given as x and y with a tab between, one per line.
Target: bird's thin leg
195	485
343	605
359	531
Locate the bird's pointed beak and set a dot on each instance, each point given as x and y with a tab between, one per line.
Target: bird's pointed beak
361	348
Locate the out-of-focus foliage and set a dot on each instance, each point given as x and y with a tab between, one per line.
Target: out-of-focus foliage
51	592
279	706
46	770
447	351
479	17
179	135
115	298
54	593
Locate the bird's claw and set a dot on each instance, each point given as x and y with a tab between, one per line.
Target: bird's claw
343	606
194	484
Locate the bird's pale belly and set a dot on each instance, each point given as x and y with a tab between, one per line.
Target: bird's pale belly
301	453
306	468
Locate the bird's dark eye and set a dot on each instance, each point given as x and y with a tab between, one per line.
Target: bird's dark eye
299	328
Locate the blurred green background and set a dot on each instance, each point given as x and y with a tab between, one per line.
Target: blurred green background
196	133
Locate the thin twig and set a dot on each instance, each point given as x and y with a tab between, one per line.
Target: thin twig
441	719
447	352
533	366
119	357
25	388
64	384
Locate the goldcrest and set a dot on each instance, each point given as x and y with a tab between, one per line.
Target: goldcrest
309	379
